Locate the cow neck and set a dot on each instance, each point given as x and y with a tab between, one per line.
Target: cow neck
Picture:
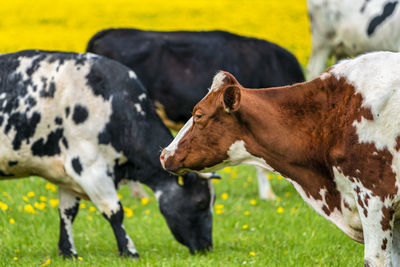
287	128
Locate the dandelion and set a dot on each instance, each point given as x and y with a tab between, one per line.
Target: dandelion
253	202
12	221
119	195
46	262
90	218
234	173
293	210
227	169
16	250
245	226
224	196
80	258
246	213
147	212
29	209
144	201
31	194
280	177
128	212
40	206
53	202
3	206
250	179
15	258
43	198
219	211
280	210
270	176
5	194
92	209
219	206
252	253
51	187
82	206
25	199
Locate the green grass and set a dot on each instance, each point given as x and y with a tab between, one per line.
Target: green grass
296	237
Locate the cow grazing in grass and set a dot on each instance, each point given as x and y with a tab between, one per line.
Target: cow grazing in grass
336	139
350	28
85	123
176	67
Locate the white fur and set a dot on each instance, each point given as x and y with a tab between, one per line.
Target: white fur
142	97
217	81
132	75
173	146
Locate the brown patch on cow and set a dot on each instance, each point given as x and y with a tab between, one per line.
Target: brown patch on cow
387	218
346	205
384	243
397	147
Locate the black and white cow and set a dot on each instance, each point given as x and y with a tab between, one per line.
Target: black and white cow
85	123
176	67
349	28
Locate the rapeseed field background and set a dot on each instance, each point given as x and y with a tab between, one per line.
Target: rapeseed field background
68	24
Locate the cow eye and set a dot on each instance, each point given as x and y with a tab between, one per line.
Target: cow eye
197	116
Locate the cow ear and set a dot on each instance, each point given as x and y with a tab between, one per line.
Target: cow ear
229	79
231	98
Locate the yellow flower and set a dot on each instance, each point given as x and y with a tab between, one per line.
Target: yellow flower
53	202
90	218
219	211
29	209
128	212
25	199
119	195
40	206
280	177
144	201
147	212
234	173
15	258
270	176
219	206
280	210
46	262
12	221
31	194
80	258
224	196
278	199
288	194
246	213
5	194
82	206
244	227
51	187
249	179
16	250
43	198
253	202
227	169
252	253
92	209
3	206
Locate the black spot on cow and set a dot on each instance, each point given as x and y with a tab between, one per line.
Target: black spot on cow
3	174
30	101
1	120
65	142
364	6
49	147
23	126
67	110
387	11
58	120
50	91
80	114
35	64
12	163
76	164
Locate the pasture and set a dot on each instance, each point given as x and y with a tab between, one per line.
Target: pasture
246	231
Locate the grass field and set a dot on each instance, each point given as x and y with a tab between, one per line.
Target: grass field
247	231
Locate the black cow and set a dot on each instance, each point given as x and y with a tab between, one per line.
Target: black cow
176	67
85	123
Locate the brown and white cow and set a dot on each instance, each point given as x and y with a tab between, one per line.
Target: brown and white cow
336	139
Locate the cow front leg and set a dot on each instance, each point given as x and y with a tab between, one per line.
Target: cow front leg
264	186
68	208
377	224
101	190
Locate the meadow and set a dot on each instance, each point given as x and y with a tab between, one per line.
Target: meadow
247	231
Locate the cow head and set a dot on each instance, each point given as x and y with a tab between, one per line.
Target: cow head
207	141
186	203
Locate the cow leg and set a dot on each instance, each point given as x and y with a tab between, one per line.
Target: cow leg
264	186
137	190
377	223
396	244
68	208
101	190
317	61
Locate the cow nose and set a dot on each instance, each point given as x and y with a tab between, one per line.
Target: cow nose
162	159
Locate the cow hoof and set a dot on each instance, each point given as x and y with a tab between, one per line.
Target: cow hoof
129	254
68	254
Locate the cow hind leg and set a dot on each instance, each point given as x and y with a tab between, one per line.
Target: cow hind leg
264	186
377	223
68	208
396	244
101	190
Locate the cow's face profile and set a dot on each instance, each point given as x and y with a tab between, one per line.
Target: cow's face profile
187	207
206	142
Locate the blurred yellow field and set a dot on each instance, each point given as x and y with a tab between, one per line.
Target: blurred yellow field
68	24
